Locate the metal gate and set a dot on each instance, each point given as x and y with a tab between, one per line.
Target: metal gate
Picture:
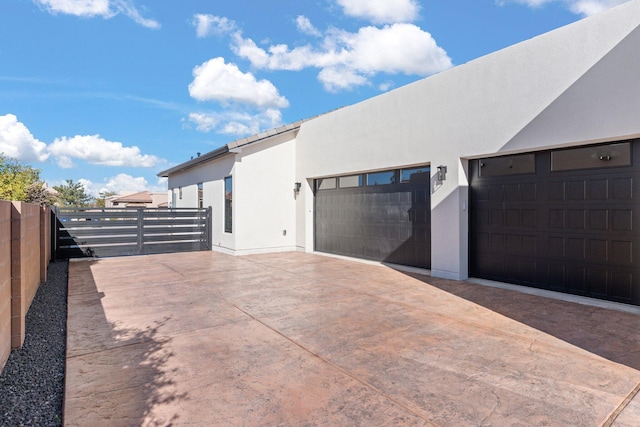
104	232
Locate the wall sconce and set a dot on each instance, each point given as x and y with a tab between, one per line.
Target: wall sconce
442	173
296	187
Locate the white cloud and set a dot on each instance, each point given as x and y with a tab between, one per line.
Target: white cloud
86	8
218	81
94	8
247	48
579	7
89	187
237	123
16	141
591	7
399	48
306	27
208	25
381	11
125	6
96	150
349	59
120	183
204	122
335	79
385	86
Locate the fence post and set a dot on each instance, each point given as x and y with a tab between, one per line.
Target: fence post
54	233
208	228
140	231
45	243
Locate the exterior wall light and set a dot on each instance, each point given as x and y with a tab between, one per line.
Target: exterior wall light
442	173
297	187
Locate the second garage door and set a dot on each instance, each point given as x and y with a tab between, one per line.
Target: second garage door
566	220
380	216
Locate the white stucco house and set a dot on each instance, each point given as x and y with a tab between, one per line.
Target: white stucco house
518	166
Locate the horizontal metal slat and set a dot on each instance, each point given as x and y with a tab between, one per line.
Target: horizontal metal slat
172	230
89	241
175	214
174	238
95	231
173	222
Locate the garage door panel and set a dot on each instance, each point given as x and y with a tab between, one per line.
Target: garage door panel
597	282
575	190
598	189
388	223
622	219
622	189
555	274
622	285
576	278
598	219
598	251
581	225
622	252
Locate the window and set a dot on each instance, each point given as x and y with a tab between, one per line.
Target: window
507	165
173	197
200	196
350	181
326	184
228	204
599	156
381	178
415	174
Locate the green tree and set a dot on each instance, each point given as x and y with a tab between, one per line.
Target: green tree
21	182
72	194
100	201
39	194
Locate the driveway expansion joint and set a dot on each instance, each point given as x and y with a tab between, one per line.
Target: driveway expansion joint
616	412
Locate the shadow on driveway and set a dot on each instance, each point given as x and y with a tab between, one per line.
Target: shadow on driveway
127	369
607	333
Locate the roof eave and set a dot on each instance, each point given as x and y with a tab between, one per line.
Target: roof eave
219	152
232	148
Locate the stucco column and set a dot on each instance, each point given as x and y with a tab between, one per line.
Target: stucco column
449	220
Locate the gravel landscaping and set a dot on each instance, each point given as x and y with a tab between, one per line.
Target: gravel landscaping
32	383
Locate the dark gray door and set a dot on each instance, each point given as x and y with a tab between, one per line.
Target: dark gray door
390	223
564	220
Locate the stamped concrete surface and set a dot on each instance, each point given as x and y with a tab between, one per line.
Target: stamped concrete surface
292	339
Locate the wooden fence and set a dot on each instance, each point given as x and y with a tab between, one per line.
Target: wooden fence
24	257
104	232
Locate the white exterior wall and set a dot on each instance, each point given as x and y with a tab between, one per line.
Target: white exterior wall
573	86
264	201
263	198
212	175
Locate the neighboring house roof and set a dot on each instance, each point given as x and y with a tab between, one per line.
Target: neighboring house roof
141	197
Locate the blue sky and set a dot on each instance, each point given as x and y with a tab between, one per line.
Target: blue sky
110	92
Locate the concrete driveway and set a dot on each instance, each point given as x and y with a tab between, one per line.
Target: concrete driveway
292	339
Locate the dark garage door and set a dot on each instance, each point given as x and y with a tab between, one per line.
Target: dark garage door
564	220
382	216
